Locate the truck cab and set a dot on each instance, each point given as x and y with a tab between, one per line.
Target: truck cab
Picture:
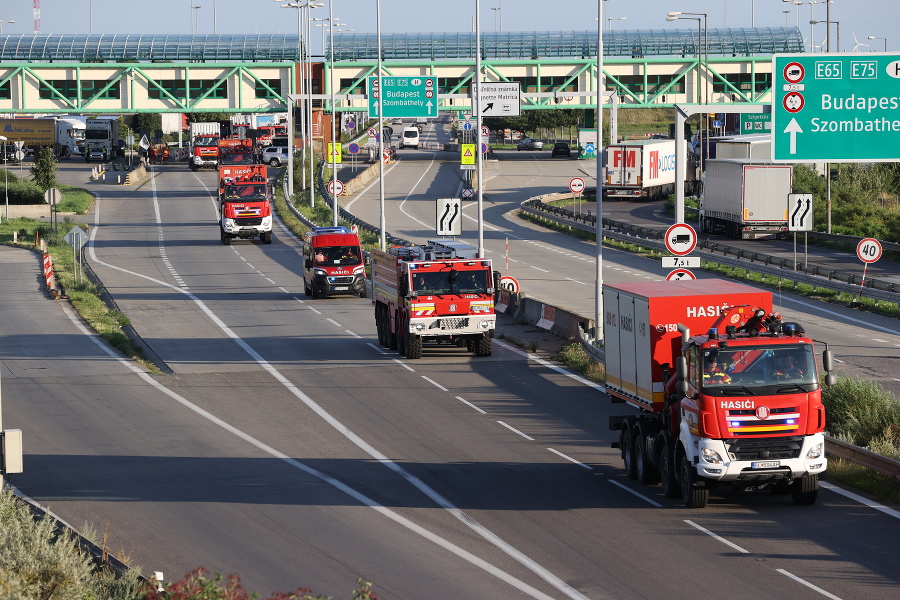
333	263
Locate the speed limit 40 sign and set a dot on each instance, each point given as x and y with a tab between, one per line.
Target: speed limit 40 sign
868	250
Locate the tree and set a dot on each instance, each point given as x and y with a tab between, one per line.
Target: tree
44	170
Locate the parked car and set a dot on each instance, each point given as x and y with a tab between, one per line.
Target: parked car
275	156
530	144
561	149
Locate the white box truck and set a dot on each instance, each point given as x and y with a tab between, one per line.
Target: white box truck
745	198
640	169
757	146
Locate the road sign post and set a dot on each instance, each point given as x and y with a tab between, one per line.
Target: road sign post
835	107
868	250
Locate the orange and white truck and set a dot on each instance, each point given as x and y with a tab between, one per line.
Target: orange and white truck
705	363
333	263
438	292
245	209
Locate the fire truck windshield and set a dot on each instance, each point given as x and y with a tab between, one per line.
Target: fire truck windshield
245	192
737	370
206	140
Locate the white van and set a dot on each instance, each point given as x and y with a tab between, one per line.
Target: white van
410	138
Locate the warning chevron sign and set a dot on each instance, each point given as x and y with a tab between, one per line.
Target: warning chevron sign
467	154
334	151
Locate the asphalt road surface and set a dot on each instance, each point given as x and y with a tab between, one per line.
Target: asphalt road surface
286	446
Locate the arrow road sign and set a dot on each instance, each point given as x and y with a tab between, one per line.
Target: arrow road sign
499	99
800	212
403	97
449	217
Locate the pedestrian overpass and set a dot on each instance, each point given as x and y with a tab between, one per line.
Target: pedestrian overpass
125	73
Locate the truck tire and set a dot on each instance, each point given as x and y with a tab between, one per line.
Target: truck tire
805	490
226	239
646	474
266	237
316	294
307	290
483	346
693	496
413	346
667	469
364	292
379	326
627	445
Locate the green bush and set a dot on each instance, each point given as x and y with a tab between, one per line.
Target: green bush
21	191
864	414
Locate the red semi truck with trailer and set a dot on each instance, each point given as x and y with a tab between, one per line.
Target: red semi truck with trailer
333	263
642	169
244	203
437	292
751	422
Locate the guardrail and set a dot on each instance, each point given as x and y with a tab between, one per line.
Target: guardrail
784	268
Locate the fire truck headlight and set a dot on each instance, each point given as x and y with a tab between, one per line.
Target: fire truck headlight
321	272
710	456
486	324
814	452
358	270
419	326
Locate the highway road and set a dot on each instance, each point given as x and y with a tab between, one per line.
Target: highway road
284	445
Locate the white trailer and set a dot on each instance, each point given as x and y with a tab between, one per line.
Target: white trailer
745	198
640	169
757	146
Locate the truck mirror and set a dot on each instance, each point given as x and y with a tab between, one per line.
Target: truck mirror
404	285
308	263
830	379
681	367
828	361
682	387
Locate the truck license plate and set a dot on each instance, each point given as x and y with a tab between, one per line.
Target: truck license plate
770	464
341	288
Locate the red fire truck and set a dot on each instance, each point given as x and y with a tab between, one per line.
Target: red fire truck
244	203
727	393
437	292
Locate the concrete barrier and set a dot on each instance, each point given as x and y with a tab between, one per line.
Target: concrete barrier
554	319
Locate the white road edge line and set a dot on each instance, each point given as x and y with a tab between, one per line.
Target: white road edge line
718	537
461	516
434	383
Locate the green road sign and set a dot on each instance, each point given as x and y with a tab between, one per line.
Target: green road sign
836	107
410	97
756	123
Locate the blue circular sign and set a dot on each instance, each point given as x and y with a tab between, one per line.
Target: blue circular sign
589	147
467	126
484	148
351	124
353	148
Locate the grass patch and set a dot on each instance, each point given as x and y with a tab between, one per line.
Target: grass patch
573	356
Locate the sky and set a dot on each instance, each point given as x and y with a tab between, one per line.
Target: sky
859	18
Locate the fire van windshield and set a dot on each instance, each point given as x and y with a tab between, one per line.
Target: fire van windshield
331	256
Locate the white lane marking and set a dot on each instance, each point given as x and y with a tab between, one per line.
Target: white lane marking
516	431
314	309
539	269
283	290
418	181
403	364
718	537
437	498
360	195
354	334
378	349
839	317
809	585
880	340
333	321
638	494
434	383
570	459
466	402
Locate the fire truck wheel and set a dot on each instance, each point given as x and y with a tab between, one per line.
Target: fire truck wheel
667	470
316	294
226	239
266	237
483	346
363	293
379	326
413	346
391	335
626	443
805	490
692	496
645	471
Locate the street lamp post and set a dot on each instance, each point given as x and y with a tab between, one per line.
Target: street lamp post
194	23
6	173
609	21
334	196
2	22
875	37
704	98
